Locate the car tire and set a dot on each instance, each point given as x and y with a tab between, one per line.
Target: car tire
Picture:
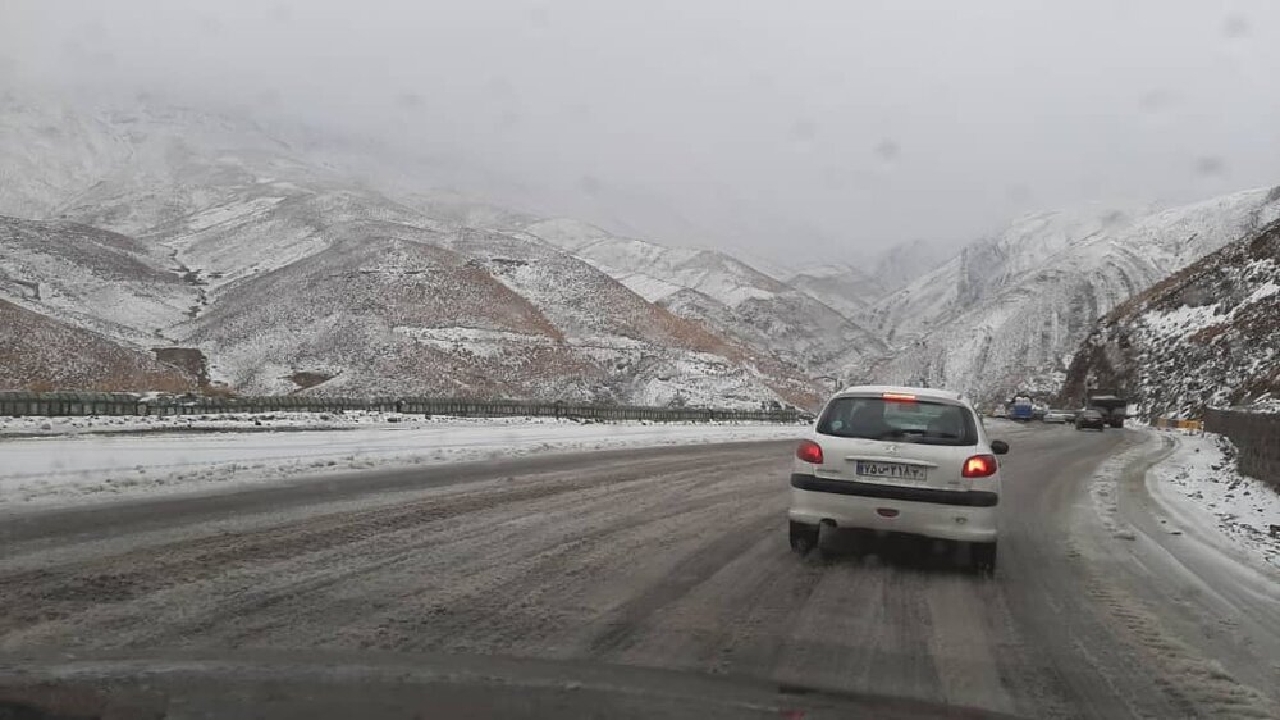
804	538
982	557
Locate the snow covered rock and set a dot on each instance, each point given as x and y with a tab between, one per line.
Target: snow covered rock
1206	336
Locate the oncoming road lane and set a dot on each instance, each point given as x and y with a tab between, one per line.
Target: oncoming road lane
673	558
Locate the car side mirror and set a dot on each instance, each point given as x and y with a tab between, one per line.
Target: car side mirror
999	447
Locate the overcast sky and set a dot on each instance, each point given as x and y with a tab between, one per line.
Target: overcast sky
808	129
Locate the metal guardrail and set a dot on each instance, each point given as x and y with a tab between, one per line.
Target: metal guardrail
1172	424
80	404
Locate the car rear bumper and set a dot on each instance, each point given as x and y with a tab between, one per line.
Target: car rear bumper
965	516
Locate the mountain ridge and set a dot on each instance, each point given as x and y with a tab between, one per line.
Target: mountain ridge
1014	326
208	210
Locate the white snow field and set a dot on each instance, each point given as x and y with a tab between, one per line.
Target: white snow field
1200	485
62	469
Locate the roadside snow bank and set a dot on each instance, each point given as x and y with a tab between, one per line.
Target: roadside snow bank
1200	481
136	424
63	469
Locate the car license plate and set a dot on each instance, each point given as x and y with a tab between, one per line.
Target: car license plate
890	471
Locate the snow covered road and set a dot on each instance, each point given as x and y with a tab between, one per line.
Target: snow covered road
73	468
672	558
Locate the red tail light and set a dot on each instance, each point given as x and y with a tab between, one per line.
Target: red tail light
979	466
810	452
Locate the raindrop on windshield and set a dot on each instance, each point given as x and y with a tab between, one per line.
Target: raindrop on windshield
1156	102
1020	194
804	131
1209	166
888	151
409	100
281	13
539	16
1235	27
590	185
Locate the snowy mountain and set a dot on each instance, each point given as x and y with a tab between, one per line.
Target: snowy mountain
172	227
99	280
1207	336
853	289
982	269
905	262
392	308
296	265
727	295
843	288
1007	312
655	271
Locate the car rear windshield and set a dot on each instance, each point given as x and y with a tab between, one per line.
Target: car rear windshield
874	418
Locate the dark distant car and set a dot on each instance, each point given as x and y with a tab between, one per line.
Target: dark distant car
1090	419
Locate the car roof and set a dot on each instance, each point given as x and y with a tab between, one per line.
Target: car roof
923	393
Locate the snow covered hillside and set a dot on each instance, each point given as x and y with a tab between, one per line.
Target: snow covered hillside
728	296
40	353
395	309
1007	313
1207	336
655	271
982	269
293	271
902	264
843	288
100	280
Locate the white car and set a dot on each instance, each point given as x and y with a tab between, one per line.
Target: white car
898	460
1058	417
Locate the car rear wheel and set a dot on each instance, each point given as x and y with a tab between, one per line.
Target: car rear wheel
804	538
982	557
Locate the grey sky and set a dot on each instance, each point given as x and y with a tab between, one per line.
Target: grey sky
810	130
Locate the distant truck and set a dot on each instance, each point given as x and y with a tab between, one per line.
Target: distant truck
1022	409
1111	404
